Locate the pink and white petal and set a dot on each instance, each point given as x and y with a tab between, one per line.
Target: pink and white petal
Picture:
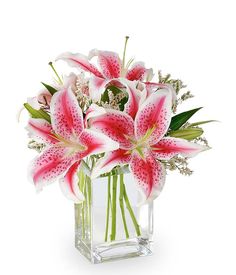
149	74
41	130
79	61
96	143
97	87
153	87
69	184
149	175
117	125
132	105
33	102
110	64
50	165
93	111
137	72
66	115
154	115
168	147
110	160
44	98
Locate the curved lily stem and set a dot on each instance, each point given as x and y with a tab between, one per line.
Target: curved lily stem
121	199
131	212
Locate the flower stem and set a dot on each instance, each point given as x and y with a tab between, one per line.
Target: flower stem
131	212
108	206
121	199
81	186
113	224
54	70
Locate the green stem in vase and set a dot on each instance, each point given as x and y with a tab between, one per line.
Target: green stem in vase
108	206
81	186
89	194
121	199
113	224
131	212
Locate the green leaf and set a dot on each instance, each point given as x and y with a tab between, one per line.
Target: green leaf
114	89
201	122
37	113
51	90
187	133
178	120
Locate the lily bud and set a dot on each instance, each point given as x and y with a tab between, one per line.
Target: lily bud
187	133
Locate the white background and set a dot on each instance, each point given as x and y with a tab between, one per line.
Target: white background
194	216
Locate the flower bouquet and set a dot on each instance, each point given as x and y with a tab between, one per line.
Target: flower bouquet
108	134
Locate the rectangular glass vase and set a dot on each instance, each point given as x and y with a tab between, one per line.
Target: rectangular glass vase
110	224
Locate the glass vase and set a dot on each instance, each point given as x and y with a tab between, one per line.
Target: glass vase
110	224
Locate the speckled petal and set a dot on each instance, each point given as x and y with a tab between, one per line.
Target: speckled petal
79	61
149	175
110	160
137	72
41	130
117	125
66	115
155	114
109	63
96	143
93	111
50	165
168	147
69	184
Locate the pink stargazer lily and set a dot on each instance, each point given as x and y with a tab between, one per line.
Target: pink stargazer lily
142	142
110	70
68	142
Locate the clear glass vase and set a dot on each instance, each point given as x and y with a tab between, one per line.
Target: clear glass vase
109	224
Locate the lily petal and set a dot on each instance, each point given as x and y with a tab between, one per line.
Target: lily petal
41	130
154	116
66	115
79	61
93	111
97	86
69	184
50	166
96	143
168	147
117	125
149	175
131	107
137	72
109	63
152	87
110	160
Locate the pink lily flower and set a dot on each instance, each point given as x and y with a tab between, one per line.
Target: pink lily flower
142	142
68	142
109	70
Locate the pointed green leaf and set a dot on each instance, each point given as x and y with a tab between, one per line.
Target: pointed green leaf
51	90
187	133
37	113
201	122
178	120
